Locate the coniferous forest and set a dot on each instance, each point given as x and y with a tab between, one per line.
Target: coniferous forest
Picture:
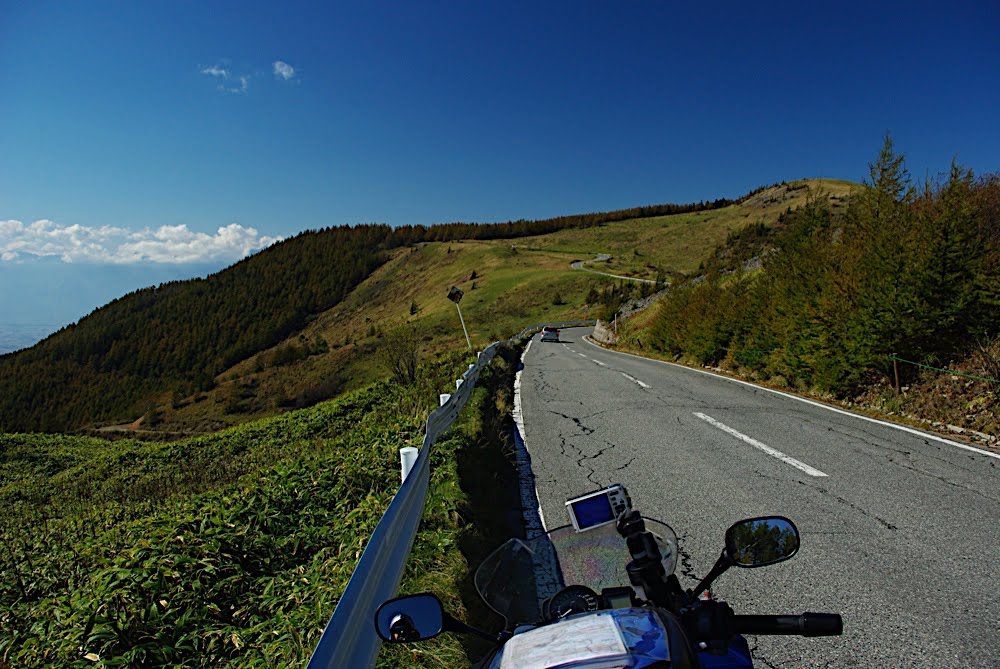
906	270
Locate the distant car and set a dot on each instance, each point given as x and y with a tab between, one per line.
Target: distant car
550	333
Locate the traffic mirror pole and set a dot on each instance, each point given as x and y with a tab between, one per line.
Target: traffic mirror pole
467	340
455	295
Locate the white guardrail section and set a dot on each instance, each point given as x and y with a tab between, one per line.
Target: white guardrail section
349	639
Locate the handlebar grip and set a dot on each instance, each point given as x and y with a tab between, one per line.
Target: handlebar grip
807	624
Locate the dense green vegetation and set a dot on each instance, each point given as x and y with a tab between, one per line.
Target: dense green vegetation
900	270
226	550
178	336
160	344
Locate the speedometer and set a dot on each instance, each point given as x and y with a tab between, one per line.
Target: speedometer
572	599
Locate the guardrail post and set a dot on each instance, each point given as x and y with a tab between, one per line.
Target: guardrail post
407	458
458	383
443	398
895	369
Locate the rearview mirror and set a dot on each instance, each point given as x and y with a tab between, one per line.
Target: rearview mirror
757	542
410	618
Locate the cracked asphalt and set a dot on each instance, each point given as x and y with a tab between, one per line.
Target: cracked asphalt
902	535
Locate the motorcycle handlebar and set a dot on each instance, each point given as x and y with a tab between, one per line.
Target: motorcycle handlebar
807	624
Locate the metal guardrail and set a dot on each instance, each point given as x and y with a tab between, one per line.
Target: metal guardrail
349	639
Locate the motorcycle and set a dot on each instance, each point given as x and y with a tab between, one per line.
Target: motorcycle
562	597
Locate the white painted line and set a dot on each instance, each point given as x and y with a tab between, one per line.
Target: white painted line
635	380
516	411
541	516
547	578
798	464
919	433
580	354
529	496
598	362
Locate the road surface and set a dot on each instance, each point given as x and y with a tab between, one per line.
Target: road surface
900	530
604	257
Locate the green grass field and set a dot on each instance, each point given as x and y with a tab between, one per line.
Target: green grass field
679	243
516	283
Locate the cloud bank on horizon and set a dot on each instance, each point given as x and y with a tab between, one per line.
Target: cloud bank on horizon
109	245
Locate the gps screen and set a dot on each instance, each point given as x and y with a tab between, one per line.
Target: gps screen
593	511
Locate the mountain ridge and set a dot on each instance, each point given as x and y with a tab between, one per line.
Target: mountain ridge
257	315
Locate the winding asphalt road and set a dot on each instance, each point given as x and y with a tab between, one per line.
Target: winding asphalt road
900	529
604	257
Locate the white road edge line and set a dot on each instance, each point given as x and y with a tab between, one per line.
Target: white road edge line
919	433
522	460
798	464
635	380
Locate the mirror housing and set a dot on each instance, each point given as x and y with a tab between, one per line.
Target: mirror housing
411	618
758	542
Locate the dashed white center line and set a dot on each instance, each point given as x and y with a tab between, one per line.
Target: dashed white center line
635	380
798	464
598	362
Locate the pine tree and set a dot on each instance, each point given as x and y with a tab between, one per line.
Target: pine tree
881	238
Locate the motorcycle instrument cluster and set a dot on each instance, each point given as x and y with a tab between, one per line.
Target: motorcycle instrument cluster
569	600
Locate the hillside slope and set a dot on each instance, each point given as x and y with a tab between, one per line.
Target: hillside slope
507	285
176	337
303	321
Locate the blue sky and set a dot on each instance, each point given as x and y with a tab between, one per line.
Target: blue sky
176	133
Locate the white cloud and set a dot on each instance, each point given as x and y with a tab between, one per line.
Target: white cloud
229	83
283	70
173	244
216	71
242	88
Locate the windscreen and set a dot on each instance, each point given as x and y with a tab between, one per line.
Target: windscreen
516	577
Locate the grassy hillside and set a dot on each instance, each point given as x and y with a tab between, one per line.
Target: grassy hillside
162	343
517	282
299	322
678	244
